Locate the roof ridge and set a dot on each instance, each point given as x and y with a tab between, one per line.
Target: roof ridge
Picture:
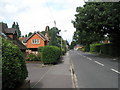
39	34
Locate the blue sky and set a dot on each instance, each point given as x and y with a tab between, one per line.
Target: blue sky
35	15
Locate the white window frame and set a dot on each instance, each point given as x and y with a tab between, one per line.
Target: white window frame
35	41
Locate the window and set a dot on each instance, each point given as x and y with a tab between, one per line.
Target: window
35	41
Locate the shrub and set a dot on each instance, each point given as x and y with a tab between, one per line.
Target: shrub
14	69
40	49
87	48
104	49
95	47
110	49
34	57
63	51
50	54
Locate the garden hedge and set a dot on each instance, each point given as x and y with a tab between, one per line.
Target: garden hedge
87	48
40	49
95	47
110	49
34	57
14	70
106	49
50	54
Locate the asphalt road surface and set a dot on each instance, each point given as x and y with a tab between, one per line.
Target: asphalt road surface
94	71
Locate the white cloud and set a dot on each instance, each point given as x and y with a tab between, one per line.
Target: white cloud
39	13
1	18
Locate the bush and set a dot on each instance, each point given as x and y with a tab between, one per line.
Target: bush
14	69
87	48
40	49
110	49
104	49
95	47
50	54
34	57
63	52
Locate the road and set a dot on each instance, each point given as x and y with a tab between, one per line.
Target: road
94	71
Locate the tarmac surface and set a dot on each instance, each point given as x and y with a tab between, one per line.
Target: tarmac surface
52	76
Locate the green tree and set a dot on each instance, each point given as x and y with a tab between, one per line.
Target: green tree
43	32
54	36
30	33
14	70
73	43
13	25
16	26
94	20
26	35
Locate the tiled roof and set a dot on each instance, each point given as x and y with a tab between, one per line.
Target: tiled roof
23	38
18	43
10	30
40	35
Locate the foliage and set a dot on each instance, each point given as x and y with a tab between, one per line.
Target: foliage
34	57
87	48
106	49
73	43
44	32
16	26
30	33
95	47
40	49
26	35
50	54
53	32
110	49
96	19
14	69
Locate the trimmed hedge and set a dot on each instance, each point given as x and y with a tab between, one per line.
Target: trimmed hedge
63	51
40	49
87	48
95	47
33	57
110	49
106	49
14	70
50	54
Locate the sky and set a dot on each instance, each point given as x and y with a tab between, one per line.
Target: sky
35	15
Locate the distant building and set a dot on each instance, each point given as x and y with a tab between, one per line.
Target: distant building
11	34
34	41
78	47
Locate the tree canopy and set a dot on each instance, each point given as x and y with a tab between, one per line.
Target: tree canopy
16	26
53	33
95	20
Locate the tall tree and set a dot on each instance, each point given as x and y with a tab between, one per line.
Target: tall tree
16	26
18	29
30	33
13	25
96	19
53	36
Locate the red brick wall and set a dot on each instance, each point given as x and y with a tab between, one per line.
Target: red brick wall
30	45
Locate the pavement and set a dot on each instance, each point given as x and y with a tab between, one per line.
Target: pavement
52	76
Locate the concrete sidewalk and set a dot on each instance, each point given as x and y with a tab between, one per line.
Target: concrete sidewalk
56	76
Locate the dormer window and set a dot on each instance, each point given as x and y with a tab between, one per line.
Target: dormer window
35	41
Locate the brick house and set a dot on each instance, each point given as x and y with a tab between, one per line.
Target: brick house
35	41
